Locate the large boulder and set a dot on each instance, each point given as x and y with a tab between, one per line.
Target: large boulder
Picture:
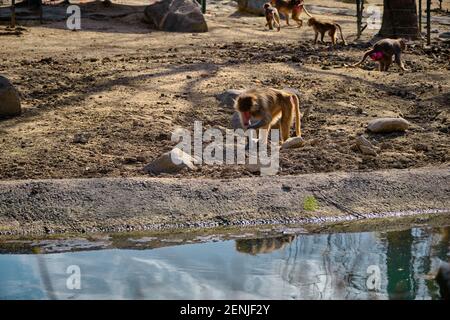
387	125
228	97
9	99
175	16
252	6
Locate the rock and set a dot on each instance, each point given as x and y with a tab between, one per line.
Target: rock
80	138
386	125
421	147
262	170
236	121
445	35
443	280
171	162
293	142
227	98
252	6
365	146
175	16
9	99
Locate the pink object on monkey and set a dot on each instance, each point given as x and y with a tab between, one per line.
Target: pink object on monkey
376	56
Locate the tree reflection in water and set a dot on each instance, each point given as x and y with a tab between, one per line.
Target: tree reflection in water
307	266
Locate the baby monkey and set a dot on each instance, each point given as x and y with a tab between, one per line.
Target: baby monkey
272	16
269	105
322	27
382	52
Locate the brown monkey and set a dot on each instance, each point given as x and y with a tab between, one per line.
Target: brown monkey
272	16
382	52
321	27
269	105
291	6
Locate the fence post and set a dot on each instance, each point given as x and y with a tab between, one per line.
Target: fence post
13	13
358	18
428	22
420	17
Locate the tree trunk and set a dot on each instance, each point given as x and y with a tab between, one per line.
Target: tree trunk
399	19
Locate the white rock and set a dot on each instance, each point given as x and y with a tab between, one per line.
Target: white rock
293	142
386	125
171	162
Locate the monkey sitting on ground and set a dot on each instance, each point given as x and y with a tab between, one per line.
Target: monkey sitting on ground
268	106
321	27
272	16
291	6
382	52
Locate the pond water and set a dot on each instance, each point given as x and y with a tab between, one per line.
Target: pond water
367	265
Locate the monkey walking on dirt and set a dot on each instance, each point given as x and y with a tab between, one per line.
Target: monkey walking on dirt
294	7
383	51
322	27
272	16
268	106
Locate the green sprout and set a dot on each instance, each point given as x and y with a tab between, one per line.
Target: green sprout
310	203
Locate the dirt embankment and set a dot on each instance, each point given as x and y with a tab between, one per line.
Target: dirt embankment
94	205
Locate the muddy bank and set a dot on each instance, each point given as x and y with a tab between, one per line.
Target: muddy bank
133	204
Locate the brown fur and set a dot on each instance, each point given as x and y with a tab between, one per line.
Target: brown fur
268	106
272	17
287	7
390	48
322	27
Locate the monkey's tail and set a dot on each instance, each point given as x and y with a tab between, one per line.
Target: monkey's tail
296	104
366	54
342	35
307	12
277	20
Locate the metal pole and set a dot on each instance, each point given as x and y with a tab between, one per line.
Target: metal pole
420	16
13	14
203	6
358	18
428	22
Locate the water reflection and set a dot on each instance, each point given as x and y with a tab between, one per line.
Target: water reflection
323	266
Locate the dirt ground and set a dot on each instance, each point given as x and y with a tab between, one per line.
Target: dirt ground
138	204
126	88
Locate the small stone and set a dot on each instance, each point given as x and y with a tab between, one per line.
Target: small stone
421	147
171	162
80	138
293	142
387	125
365	146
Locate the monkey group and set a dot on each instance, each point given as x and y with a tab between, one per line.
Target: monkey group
267	108
294	8
273	9
384	52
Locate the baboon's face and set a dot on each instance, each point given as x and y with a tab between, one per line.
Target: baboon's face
311	21
246	105
266	6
